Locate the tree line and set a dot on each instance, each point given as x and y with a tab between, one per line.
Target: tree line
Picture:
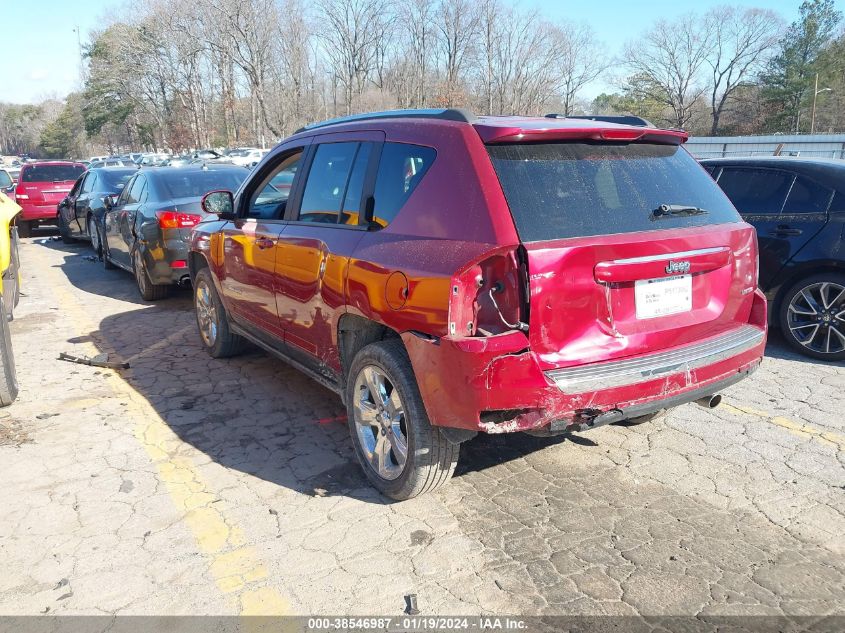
179	74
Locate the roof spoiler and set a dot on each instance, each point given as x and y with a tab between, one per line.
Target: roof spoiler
621	119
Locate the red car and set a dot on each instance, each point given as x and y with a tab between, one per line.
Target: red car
41	187
448	275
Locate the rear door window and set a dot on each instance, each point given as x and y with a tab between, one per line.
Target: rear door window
562	190
756	191
328	177
400	170
807	196
52	173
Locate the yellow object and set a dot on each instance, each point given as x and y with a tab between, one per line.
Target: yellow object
8	210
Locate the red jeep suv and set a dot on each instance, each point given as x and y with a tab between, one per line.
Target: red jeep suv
448	275
41	187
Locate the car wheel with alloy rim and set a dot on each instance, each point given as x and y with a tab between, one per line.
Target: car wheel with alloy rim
94	234
149	291
813	316
212	320
401	453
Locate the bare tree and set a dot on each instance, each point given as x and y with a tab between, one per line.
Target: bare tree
352	33
582	60
457	24
743	41
668	59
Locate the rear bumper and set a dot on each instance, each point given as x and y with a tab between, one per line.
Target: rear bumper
38	211
167	262
495	384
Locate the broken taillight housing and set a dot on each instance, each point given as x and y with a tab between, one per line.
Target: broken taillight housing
174	220
490	296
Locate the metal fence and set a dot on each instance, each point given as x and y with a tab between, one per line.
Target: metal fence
808	145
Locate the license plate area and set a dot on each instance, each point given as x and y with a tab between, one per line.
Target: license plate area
662	297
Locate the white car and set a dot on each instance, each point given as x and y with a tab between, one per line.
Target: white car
247	157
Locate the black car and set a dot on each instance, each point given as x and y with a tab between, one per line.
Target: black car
83	208
797	206
145	230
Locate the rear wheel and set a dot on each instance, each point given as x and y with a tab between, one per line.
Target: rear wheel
8	374
812	316
149	291
25	228
212	320
401	453
64	231
94	234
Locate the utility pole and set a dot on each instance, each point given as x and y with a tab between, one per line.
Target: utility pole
816	92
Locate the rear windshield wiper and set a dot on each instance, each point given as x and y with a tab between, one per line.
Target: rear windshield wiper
676	210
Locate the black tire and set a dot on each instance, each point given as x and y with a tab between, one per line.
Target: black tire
94	236
107	263
223	343
24	228
148	290
64	231
431	459
8	374
834	323
792	329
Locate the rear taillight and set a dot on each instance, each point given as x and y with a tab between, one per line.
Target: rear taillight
174	220
490	296
21	196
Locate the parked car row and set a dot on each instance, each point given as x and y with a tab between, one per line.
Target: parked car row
447	274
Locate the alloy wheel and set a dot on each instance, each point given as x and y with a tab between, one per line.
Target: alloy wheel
140	274
94	234
206	314
816	317
380	423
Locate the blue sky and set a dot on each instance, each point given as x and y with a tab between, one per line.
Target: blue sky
40	57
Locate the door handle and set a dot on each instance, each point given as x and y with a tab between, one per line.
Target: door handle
265	242
785	232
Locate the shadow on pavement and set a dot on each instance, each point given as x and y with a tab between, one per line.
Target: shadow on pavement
254	413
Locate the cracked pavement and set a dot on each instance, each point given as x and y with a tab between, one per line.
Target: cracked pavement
187	485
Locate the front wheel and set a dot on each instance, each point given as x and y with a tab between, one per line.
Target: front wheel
212	320
401	453
812	316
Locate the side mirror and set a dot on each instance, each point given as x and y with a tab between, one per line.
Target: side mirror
220	203
109	201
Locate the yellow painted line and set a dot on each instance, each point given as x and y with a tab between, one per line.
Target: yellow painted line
799	429
236	568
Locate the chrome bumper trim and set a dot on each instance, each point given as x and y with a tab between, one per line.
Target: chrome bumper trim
620	373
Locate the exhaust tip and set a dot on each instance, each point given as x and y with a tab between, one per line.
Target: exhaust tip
710	402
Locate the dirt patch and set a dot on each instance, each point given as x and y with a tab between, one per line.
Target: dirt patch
12	433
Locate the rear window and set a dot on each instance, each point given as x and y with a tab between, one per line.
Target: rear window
114	181
560	190
195	184
52	173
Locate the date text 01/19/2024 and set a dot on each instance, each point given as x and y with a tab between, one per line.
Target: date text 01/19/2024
415	623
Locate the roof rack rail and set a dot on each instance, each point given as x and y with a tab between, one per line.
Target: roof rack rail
622	119
448	114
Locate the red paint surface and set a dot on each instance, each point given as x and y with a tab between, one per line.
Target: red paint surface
456	231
